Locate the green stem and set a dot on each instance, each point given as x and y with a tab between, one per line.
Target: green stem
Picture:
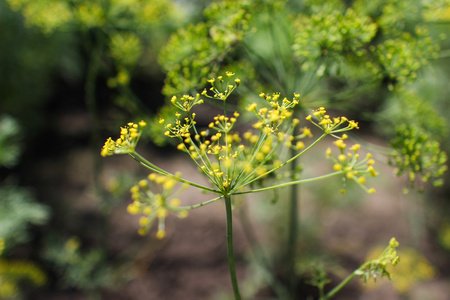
230	250
290	183
293	233
93	70
343	283
196	205
280	166
140	159
258	253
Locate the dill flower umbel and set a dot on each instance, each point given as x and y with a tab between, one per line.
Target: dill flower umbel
155	205
129	137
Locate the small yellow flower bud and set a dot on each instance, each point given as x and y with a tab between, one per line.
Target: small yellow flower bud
183	214
299	145
147	210
143	183
133	209
142	231
251	107
175	202
134	189
143	221
337	167
356	147
162	212
160	234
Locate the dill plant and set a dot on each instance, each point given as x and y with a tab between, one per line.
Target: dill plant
234	161
368	59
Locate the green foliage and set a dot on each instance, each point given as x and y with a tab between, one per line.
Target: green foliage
86	270
342	54
17	206
197	51
28	61
415	154
115	36
10	149
54	15
18	210
332	33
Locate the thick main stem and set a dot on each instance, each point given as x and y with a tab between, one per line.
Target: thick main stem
91	103
293	233
230	250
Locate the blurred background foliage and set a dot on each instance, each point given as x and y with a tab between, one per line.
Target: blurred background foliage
73	71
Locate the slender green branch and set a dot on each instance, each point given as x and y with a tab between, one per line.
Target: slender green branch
245	183
293	233
230	250
93	70
136	156
196	205
290	183
344	282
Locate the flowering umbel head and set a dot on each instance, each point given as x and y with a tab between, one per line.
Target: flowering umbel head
230	159
155	205
417	156
352	167
331	125
378	267
129	137
222	87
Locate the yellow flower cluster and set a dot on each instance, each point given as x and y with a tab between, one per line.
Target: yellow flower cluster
180	129
271	119
413	268
331	126
222	88
186	102
155	205
129	137
380	265
350	164
240	159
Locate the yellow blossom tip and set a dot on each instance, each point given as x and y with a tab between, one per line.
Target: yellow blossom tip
160	234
